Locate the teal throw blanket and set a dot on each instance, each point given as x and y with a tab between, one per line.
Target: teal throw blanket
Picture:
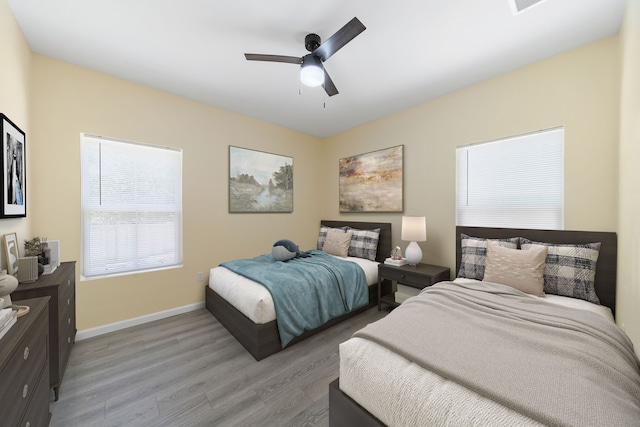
307	292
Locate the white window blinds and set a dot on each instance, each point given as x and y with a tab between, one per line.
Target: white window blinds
515	182
131	206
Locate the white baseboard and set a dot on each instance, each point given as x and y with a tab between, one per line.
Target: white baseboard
100	330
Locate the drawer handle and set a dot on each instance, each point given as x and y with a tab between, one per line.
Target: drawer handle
28	424
402	276
26	353
68	282
25	389
68	302
68	340
69	321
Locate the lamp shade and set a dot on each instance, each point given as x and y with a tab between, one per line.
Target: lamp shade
311	71
414	228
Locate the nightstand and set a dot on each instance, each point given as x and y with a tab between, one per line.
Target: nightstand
420	276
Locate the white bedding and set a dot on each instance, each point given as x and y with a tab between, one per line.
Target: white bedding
402	393
566	302
254	300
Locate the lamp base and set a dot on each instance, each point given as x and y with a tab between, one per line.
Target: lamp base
413	254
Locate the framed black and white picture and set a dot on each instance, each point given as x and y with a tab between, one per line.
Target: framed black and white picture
14	182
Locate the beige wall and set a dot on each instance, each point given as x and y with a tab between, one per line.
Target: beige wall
578	90
69	100
14	103
629	222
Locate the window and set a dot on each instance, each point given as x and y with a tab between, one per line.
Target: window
131	206
515	182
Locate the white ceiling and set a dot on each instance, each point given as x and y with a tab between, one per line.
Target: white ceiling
412	50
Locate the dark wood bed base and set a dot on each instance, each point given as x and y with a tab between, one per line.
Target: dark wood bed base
344	411
264	340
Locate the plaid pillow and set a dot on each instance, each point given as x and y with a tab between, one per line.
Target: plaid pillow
364	243
474	255
570	270
322	235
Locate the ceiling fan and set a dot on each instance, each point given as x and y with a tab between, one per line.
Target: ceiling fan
312	71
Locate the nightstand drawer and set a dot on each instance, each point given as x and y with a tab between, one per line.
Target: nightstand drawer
418	276
410	278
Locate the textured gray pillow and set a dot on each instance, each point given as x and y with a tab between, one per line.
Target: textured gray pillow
322	235
364	243
570	269
474	255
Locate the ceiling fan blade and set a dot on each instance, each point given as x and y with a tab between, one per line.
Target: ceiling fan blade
343	36
273	58
328	85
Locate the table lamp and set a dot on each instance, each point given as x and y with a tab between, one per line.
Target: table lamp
414	229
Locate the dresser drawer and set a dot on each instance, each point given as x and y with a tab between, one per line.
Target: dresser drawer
67	317
22	371
38	412
67	334
66	289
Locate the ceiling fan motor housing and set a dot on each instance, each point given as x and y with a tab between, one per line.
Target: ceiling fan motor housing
311	42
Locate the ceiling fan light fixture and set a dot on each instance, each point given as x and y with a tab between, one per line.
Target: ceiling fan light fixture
311	71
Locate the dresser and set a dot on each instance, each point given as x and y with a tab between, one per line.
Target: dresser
24	368
60	287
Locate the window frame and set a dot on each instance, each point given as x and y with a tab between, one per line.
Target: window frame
500	196
162	212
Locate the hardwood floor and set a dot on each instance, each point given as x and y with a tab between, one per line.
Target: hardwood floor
187	370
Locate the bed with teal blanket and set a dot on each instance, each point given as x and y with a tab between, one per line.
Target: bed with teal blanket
309	294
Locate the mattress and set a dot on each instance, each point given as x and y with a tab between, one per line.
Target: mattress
254	300
400	392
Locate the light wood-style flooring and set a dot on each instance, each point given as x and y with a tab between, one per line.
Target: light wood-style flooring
187	370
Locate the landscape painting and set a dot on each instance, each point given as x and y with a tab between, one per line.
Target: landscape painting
259	181
372	182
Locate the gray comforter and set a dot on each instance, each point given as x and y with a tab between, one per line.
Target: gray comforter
556	365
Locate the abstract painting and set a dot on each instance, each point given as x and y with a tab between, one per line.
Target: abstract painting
372	182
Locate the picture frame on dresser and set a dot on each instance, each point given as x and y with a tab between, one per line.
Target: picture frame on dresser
14	171
12	252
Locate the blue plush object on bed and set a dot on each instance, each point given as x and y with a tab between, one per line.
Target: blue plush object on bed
307	292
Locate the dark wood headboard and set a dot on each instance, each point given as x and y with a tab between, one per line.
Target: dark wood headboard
384	242
606	268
